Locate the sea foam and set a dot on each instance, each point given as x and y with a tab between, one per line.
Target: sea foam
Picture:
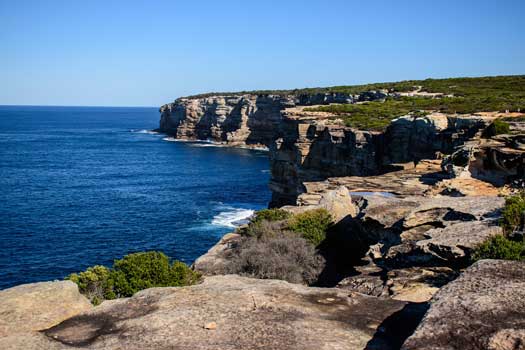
232	218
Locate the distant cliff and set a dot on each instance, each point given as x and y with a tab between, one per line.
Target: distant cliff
313	144
248	119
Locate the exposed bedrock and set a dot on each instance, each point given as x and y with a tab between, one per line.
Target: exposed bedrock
236	120
241	119
312	147
230	313
484	309
498	160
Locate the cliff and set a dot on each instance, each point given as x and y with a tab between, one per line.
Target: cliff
308	146
410	205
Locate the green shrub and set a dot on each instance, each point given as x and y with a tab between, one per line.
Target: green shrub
500	247
149	269
513	216
95	283
497	127
312	225
132	273
271	215
265	223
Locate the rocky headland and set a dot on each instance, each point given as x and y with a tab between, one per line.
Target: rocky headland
410	202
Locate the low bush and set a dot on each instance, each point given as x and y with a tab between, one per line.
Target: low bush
149	269
130	274
312	225
286	256
513	215
497	127
271	215
263	229
95	283
500	247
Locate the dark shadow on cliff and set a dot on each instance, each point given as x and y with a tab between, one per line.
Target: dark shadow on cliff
343	249
395	329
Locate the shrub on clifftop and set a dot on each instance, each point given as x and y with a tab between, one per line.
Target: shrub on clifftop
513	216
271	215
283	256
130	274
140	271
312	225
510	246
500	247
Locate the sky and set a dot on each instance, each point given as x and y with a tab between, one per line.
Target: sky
147	53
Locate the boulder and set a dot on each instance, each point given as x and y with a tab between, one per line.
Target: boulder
29	308
484	309
337	201
214	261
36	306
232	312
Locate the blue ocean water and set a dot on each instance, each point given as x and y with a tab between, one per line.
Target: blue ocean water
81	186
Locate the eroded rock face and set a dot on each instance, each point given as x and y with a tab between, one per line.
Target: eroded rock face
215	260
37	306
409	138
232	312
313	146
484	309
29	308
416	243
313	150
499	160
235	120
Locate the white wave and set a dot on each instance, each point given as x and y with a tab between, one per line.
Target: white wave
232	218
200	144
170	139
144	131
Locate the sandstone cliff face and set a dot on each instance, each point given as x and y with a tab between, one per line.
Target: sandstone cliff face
236	120
310	150
482	309
313	147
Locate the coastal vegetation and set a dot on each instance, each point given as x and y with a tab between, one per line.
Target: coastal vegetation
278	245
312	225
510	245
503	88
132	273
497	127
376	115
456	95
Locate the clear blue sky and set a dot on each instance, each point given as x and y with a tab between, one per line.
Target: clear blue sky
146	53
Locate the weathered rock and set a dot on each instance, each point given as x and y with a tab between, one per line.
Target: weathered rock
235	120
414	284
498	160
483	309
429	231
411	138
28	308
309	148
215	260
37	306
337	202
248	314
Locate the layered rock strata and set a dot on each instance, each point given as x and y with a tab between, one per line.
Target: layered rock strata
232	312
483	309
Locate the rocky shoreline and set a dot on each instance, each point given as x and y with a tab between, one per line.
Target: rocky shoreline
410	205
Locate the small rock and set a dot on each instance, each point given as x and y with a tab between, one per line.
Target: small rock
210	326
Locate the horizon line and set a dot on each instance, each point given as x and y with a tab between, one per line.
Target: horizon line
52	105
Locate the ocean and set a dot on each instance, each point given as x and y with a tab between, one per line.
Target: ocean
82	186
